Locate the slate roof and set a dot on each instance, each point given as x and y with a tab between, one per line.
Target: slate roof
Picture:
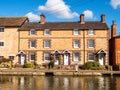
65	25
12	21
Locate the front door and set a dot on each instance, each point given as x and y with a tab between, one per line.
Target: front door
22	59
66	59
101	59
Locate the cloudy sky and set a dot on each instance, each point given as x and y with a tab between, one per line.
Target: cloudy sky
63	10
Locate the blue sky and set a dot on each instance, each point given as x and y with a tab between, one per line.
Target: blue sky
63	10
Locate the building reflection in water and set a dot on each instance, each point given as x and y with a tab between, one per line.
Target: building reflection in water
59	83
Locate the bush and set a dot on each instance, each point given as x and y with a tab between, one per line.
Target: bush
28	65
51	64
92	65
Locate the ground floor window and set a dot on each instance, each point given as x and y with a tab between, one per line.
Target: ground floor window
1	57
76	56
32	57
91	56
46	56
11	57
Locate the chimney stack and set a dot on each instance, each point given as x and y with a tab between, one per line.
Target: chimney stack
42	18
113	29
82	19
103	18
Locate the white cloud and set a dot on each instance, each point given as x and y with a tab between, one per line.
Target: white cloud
88	14
58	8
32	17
115	3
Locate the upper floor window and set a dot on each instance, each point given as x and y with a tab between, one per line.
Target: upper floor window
32	43
91	32
32	31
47	44
76	56
76	44
1	43
90	56
32	57
1	29
91	43
11	57
76	32
47	32
46	56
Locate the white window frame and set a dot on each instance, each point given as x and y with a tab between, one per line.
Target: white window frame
31	31
32	60
76	59
1	29
76	32
76	43
32	41
46	55
46	42
89	46
90	32
46	32
89	56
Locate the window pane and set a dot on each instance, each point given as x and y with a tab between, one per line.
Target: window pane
11	57
90	56
91	43
91	32
47	32
76	56
46	43
1	29
32	44
32	57
32	32
76	32
76	44
46	56
1	43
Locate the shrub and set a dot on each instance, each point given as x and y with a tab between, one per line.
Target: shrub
92	65
51	64
28	65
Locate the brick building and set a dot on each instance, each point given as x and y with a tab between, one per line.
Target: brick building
114	48
66	42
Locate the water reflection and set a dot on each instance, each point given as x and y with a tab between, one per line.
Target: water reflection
59	83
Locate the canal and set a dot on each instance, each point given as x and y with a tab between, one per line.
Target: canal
59	83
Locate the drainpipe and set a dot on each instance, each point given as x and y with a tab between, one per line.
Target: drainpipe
84	45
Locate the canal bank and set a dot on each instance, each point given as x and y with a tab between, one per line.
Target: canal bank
37	72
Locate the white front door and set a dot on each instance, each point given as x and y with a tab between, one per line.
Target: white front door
101	60
66	59
22	57
56	62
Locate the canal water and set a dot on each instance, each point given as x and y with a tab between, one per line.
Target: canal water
59	83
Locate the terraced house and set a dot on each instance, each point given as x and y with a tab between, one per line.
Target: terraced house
67	43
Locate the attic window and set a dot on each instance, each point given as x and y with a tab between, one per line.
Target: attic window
1	29
47	32
90	32
76	32
32	31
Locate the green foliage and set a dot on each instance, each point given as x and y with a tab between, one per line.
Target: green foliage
28	65
92	65
51	64
4	60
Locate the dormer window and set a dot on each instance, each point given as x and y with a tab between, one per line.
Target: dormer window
76	32
91	32
1	29
47	32
32	31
